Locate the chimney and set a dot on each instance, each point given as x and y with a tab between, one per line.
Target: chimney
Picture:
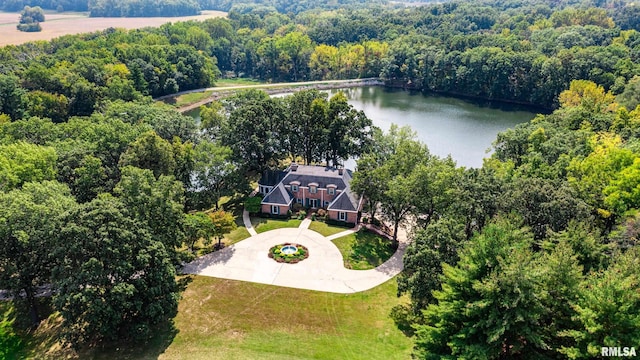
294	166
340	171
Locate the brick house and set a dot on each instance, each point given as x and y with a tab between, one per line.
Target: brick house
312	187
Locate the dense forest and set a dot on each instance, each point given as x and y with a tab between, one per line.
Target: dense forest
534	255
518	52
150	8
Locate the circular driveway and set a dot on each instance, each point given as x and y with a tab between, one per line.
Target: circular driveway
323	270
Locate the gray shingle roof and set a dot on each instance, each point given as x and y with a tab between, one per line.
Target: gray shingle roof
271	177
321	175
346	201
278	195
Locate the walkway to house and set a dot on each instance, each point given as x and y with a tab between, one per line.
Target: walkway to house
323	271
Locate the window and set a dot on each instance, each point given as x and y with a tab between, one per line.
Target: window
313	189
342	216
331	191
313	203
326	203
294	188
275	209
299	201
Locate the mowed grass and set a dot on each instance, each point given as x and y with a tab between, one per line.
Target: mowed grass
190	98
263	225
237	82
225	319
325	229
364	250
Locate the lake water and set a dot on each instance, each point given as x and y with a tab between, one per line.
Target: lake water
463	129
449	126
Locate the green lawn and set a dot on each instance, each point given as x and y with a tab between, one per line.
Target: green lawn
236	82
364	250
324	229
191	98
263	225
226	319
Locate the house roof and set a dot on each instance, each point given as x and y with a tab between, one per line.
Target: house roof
271	177
278	195
346	201
320	175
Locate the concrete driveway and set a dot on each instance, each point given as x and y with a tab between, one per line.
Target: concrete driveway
323	270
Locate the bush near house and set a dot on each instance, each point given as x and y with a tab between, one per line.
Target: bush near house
252	204
340	223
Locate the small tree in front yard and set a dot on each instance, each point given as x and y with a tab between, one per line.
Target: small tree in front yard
198	226
223	222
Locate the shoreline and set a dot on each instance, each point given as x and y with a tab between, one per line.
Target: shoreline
271	89
283	88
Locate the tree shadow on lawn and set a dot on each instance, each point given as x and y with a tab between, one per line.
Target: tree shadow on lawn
163	335
372	249
47	341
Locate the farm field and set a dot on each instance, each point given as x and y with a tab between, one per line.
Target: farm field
59	24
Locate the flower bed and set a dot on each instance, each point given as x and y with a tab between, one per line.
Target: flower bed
278	255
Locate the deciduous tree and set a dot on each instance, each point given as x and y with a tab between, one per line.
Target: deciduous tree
115	280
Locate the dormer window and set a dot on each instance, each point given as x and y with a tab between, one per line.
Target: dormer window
294	188
331	189
313	188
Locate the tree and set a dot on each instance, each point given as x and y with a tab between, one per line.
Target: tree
12	97
22	162
438	243
114	280
223	222
545	205
212	119
30	19
488	307
215	173
367	179
44	104
89	179
158	204
306	124
349	131
606	309
295	47
198	226
151	152
560	278
34	13
28	224
629	97
255	130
